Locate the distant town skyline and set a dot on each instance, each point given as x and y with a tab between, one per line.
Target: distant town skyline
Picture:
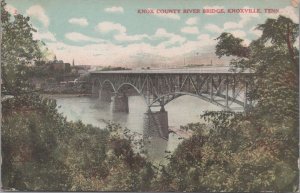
99	32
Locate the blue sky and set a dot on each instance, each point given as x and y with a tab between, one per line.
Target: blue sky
102	32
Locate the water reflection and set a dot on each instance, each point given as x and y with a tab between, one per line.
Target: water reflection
156	148
181	111
119	117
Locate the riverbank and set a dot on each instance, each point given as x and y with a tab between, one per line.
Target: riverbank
55	96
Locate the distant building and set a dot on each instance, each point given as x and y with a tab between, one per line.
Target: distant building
59	65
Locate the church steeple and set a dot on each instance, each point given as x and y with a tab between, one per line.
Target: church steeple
73	63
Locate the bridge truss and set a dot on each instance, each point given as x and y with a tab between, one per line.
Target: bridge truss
226	90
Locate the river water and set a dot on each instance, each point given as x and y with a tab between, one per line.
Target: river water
181	111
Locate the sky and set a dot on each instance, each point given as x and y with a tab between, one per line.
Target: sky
103	33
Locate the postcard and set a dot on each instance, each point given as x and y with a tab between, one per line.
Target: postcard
150	96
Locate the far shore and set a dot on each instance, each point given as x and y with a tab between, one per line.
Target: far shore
63	95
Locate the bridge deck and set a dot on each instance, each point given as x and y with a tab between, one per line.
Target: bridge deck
206	70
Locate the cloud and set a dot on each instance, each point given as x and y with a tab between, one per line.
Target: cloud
171	50
246	42
44	35
172	16
79	21
213	28
135	54
216	29
212	7
161	13
38	12
206	40
203	37
244	19
256	31
121	34
78	37
124	37
106	27
190	30
232	25
192	21
114	9
120	31
238	33
288	11
235	27
10	9
171	38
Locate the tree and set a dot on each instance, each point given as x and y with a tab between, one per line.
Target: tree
275	62
42	151
281	32
18	50
229	45
256	151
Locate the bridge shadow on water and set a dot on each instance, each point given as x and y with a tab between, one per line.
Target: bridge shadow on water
150	125
156	148
119	117
150	129
103	105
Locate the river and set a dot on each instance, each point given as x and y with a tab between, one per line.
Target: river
181	111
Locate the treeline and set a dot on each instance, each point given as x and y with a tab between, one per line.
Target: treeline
42	151
258	150
110	68
255	151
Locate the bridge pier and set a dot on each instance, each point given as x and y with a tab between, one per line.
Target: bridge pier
120	103
156	123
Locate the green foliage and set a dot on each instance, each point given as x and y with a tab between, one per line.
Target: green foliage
256	151
42	151
109	68
229	45
18	50
281	32
235	159
29	138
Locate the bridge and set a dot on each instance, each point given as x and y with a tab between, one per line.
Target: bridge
216	85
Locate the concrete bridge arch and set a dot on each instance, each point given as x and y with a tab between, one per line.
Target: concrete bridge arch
159	88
